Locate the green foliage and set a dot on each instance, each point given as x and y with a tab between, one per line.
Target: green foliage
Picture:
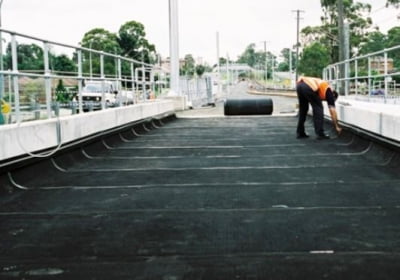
222	61
189	67
261	59
62	94
250	56
285	64
313	60
129	42
200	69
63	63
133	43
30	57
394	3
376	41
60	86
102	40
393	39
355	13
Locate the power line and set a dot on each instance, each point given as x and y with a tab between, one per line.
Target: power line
378	9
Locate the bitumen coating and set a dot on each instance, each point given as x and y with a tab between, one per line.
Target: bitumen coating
206	198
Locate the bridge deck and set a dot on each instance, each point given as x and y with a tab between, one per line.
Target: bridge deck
216	198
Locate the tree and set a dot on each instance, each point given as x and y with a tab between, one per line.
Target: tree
63	63
133	43
356	14
102	40
249	56
129	42
62	95
393	39
394	3
285	64
222	61
313	60
189	67
30	57
376	41
200	69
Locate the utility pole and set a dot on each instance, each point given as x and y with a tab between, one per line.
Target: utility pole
218	65
265	61
298	18
290	67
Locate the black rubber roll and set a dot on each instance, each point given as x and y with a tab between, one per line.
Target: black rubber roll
251	106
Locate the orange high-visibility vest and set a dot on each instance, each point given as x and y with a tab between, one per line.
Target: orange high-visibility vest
316	85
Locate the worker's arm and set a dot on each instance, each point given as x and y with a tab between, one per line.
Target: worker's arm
332	111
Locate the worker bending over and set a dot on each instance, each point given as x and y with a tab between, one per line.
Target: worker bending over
314	91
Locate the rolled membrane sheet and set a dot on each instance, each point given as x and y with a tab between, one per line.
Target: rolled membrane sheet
251	106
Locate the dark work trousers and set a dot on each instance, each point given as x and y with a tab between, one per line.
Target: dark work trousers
307	95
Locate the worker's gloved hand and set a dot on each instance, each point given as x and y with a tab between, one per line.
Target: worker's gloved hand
338	130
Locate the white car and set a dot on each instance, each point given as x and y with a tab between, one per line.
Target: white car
92	95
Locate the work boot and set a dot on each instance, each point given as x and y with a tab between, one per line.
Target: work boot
323	136
302	135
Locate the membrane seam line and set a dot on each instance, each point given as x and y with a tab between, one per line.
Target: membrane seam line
253	184
203	210
212	168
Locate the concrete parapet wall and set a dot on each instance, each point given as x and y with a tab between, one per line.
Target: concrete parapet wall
16	140
180	102
381	119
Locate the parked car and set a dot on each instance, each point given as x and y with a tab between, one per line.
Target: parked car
92	94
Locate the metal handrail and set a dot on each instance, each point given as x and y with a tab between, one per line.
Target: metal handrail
48	75
342	82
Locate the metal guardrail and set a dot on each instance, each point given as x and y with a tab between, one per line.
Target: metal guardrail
140	87
199	91
368	77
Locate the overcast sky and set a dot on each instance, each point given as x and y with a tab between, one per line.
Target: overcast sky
239	22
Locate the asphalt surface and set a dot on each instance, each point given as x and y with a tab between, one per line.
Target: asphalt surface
207	198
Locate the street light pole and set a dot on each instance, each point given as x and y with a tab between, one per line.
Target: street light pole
174	47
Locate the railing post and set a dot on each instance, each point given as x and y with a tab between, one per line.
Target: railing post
347	77
386	75
152	82
356	75
133	82
143	83
47	79
103	87
369	77
137	81
80	83
119	82
14	55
